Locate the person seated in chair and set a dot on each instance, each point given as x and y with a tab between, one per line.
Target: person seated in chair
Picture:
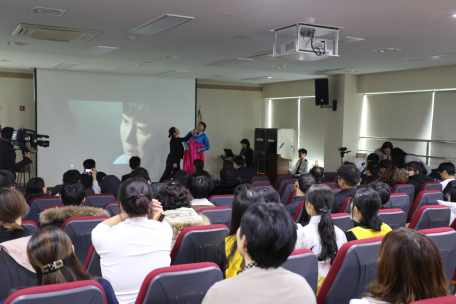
229	181
386	163
446	171
300	187
392	176
302	165
91	179
417	175
372	172
198	188
318	173
8	180
198	164
142	173
245	173
348	179
12	208
135	163
383	190
73	198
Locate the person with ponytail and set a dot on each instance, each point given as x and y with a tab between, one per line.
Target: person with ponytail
417	175
12	208
320	235
176	152
134	242
364	207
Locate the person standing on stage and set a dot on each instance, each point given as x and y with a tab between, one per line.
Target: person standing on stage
195	147
176	152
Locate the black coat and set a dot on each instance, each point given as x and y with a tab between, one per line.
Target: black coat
125	177
340	197
419	179
8	158
245	173
248	156
176	149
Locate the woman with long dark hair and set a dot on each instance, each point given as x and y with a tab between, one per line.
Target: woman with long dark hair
385	151
36	187
320	235
417	175
176	152
409	269
12	209
400	158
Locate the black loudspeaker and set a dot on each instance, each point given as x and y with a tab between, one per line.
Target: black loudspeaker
321	92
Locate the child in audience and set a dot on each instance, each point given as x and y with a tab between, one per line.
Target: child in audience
270	195
364	207
383	190
198	164
409	269
181	177
132	243
12	208
177	206
35	188
392	176
198	188
73	198
417	175
320	235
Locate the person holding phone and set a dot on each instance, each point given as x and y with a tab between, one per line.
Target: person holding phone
90	177
195	147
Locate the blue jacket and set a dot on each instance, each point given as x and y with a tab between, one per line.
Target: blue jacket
202	138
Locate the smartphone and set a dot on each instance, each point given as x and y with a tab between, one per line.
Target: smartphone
89	171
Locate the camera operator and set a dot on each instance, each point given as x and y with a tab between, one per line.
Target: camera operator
8	154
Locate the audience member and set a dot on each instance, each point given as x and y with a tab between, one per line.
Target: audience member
320	235
417	175
386	163
198	188
302	165
177	206
135	163
110	185
383	190
8	154
229	181
372	172
198	164
72	197
247	153
300	187
245	173
385	151
231	262
318	173
132	243
242	188
370	157
8	180
71	177
36	187
348	179
392	176
270	195
90	178
181	177
364	208
446	171
12	208
409	269
399	159
142	173
265	239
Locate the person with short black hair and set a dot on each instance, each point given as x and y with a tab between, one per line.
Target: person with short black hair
245	173
73	198
142	173
386	163
110	185
300	187
417	175
36	187
446	171
364	208
195	147
90	177
265	238
198	188
318	173
348	178
372	172
371	157
247	153
198	164
8	154
71	177
229	181
270	195
302	165
135	163
383	190
181	177
7	179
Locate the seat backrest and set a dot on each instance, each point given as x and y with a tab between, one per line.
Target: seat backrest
222	200
260	182
179	284
56	189
329	176
393	217
198	244
289	187
305	263
98	200
92	263
89	191
13	275
279	178
79	229
424	198
428	217
405	188
345	208
439	300
343	221
356	260
37	204
259	187
329	184
284	182
399	201
431	186
336	190
445	239
217	215
290	197
111	207
30	225
87	292
257	178
298	212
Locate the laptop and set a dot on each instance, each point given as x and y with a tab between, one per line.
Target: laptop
229	153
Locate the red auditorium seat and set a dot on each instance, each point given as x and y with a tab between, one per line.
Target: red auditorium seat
440	300
424	198
431	217
345	208
197	244
179	283
56	189
330	175
405	188
217	215
259	187
290	197
286	191
305	263
299	211
257	178
111	207
30	225
284	182
37	204
98	200
353	269
329	184
222	200
343	221
92	263
399	201
431	186
336	190
260	182
393	217
89	191
279	178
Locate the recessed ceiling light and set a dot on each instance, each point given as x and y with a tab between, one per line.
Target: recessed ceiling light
258	78
48	11
387	50
171	72
278	66
65	65
160	24
168	57
17	43
242	37
231	61
99	50
5	60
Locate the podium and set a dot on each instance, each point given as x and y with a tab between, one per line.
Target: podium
276	165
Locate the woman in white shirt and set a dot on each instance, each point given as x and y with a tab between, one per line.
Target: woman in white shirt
409	269
133	243
320	235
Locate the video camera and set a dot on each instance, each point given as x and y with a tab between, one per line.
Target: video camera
28	140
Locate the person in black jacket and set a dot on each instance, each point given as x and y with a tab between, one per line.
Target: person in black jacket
245	173
135	163
247	153
372	172
8	155
417	175
176	152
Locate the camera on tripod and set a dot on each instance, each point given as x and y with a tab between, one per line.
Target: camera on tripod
28	140
343	151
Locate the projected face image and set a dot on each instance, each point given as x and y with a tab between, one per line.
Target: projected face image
135	136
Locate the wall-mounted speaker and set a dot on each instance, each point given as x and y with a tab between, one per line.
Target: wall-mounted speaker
321	92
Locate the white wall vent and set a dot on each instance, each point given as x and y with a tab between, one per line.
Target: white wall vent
54	33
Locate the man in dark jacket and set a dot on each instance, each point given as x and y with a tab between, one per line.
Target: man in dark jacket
304	182
245	173
348	178
8	154
135	163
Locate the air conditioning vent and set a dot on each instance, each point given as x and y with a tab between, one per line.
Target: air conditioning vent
54	33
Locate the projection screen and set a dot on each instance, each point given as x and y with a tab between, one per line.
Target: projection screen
109	118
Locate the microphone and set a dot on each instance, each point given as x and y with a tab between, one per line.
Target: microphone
281	146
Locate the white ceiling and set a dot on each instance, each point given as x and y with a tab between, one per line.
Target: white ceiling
418	27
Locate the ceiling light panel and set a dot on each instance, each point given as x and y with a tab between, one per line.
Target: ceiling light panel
231	61
65	65
348	39
387	50
172	72
17	43
99	50
258	78
438	56
160	24
47	11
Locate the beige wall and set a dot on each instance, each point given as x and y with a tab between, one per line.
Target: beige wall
289	89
